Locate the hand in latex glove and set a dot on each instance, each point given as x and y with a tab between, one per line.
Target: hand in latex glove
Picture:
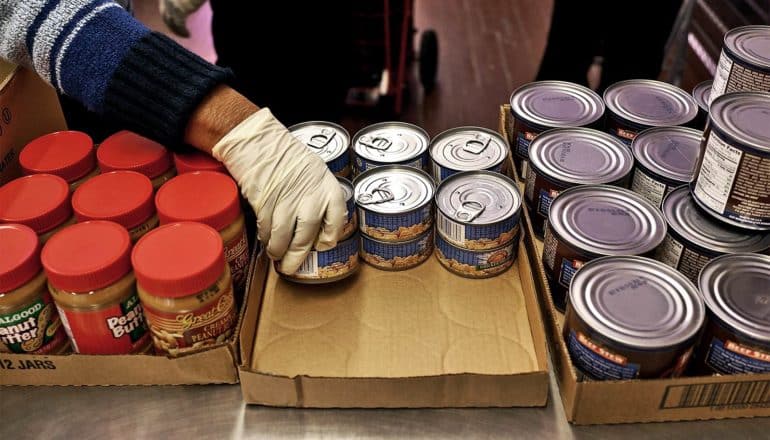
298	201
175	13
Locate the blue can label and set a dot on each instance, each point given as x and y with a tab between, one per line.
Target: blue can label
598	362
396	256
544	200
568	269
478	237
421	163
729	357
341	165
476	264
396	227
334	263
440	173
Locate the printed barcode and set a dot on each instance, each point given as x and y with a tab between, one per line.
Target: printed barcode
310	266
737	394
453	231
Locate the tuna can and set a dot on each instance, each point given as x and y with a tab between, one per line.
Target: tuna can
478	210
391	143
328	266
394	202
693	238
329	141
473	263
352	217
543	105
732	177
403	255
567	157
736	290
638	104
702	93
591	221
665	159
744	64
466	149
631	317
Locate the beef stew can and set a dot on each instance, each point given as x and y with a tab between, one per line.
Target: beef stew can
744	64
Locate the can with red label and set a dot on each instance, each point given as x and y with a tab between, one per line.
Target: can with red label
90	279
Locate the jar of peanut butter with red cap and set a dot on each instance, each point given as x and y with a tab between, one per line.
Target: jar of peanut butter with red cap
39	201
190	161
124	197
126	150
67	154
90	279
29	322
185	287
210	198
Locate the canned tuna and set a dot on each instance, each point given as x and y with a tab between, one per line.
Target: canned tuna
473	263
328	266
329	141
391	143
352	217
466	149
399	255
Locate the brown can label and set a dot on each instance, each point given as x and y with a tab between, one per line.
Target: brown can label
177	333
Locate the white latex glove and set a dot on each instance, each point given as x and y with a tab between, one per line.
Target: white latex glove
298	201
175	13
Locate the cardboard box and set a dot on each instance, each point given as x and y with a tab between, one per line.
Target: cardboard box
28	108
418	338
644	400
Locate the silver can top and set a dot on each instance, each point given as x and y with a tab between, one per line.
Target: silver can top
750	44
736	289
686	219
637	301
650	103
606	220
670	152
580	156
347	187
468	149
744	117
393	189
326	139
478	197
556	104
701	93
391	142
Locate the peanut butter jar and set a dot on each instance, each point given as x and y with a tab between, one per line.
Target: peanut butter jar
90	279
67	154
124	197
185	287
126	150
189	161
29	322
210	198
39	201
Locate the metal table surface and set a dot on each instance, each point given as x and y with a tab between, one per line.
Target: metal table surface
217	412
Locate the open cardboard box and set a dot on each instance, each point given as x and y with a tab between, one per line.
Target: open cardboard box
643	400
418	338
30	108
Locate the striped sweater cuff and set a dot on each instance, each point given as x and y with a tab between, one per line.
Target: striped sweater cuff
157	86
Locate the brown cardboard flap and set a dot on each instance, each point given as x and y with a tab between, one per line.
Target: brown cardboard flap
595	402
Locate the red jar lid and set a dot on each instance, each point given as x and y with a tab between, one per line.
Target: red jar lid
193	160
19	256
125	150
67	154
204	196
87	256
179	259
40	201
124	197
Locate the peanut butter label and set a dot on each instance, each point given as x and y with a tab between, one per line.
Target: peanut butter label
237	256
176	333
34	329
118	329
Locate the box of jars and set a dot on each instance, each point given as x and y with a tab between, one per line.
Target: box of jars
428	300
118	268
655	309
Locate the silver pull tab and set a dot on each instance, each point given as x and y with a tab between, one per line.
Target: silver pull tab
469	211
477	145
377	142
377	196
321	139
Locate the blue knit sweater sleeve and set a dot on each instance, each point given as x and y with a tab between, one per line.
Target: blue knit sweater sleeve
96	52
